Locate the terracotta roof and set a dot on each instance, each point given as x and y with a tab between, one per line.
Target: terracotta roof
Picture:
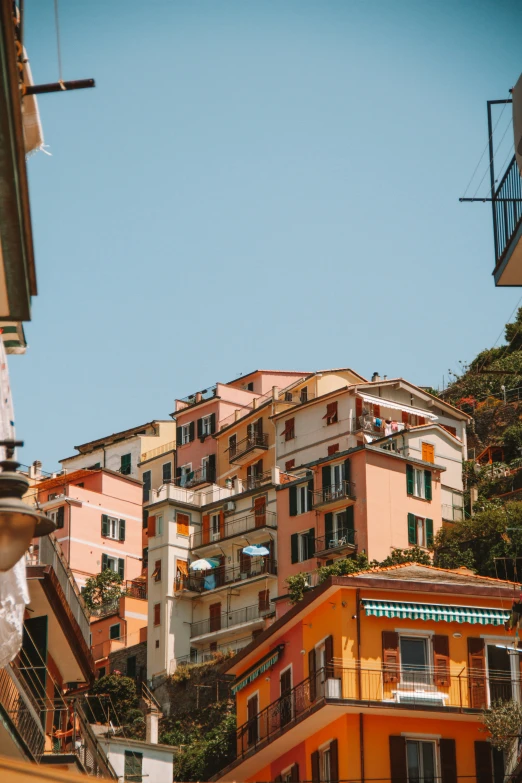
416	570
65	478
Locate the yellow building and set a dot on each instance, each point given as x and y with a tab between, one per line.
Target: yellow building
379	676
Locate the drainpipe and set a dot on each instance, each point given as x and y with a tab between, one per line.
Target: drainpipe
361	743
103	447
358	621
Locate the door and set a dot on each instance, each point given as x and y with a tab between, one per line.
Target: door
499	674
260	511
215	617
252	725
414	661
285	681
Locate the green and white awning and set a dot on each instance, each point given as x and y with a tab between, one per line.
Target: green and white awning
258	669
476	615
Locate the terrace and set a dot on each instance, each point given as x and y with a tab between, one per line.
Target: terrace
332	494
253	616
235	527
221	576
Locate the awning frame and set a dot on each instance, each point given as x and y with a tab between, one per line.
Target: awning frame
409	610
259	668
397	406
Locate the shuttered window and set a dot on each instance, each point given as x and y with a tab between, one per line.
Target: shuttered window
441	660
428	452
182	523
289	430
333	449
157	614
125	464
290	464
477	672
390	656
331	414
133	769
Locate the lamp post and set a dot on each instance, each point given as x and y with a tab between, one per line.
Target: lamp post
19	523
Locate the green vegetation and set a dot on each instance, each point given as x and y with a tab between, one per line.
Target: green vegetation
503	723
117	702
102	589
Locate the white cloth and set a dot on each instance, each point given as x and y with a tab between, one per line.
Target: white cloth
14	595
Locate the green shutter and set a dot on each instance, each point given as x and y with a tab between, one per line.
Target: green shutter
294	548
125	466
191	431
429	532
200	428
347	470
412	530
179	437
311	542
409	479
328	529
121	567
211	468
104	562
427	484
350	517
105	525
292	498
212	423
60	517
310	494
122	530
327	477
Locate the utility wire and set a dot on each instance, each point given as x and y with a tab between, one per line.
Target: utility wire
494	153
485	150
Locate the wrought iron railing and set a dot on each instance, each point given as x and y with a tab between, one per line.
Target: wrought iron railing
257	440
18	705
507	209
345	537
203	475
235	527
395	687
231	619
198	655
224	575
340	491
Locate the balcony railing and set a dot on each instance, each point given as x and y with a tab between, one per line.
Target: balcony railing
130	589
158	450
200	396
344	490
231	619
257	440
367	424
507	210
235	527
428	689
341	539
24	718
223	575
203	475
209	653
48	552
136	589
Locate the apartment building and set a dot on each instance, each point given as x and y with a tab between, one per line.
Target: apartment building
120	625
98	515
381	675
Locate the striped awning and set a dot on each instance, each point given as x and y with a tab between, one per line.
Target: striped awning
397	406
475	615
258	669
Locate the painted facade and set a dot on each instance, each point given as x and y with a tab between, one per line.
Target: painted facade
122	625
402	660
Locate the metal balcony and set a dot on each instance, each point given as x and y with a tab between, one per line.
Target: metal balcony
214	578
249	448
248	614
333	494
235	527
507	227
342	540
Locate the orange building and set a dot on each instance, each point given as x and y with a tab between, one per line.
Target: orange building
379	676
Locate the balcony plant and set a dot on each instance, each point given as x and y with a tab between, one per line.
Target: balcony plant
503	721
101	589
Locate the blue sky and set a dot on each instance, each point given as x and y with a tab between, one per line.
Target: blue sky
263	184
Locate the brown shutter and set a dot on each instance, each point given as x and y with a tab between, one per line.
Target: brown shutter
260	511
312	674
390	656
264	600
151	529
222	524
441	660
483	762
328	655
358	408
215	617
157	614
377	411
404	417
206	529
448	761
316	775
477	672
294	773
398	771
334	761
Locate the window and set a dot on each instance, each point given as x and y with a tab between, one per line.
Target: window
414	660
115	631
206	426
125	466
420	531
333	449
182	521
232	446
166	471
304	394
214	527
290	464
418	482
288	396
133	766
331	415
289	429
253	719
157	614
159	525
325	765
420	761
428	452
303	499
131	666
302	545
57	516
156	574
116	564
285	685
112	527
147	485
101	672
185	472
185	434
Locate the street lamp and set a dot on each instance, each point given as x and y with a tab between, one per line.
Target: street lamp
19	523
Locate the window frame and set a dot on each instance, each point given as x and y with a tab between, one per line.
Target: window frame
185	434
428	741
302	548
426	639
206	425
186	473
189	519
115	625
132	756
302	491
163	466
159	524
128	464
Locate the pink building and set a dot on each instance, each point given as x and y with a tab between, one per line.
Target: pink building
98	514
200	415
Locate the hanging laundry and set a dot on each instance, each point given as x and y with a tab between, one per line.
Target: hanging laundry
378	423
387	427
394	426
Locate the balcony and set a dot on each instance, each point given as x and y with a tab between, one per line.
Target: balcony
226	620
507	227
196	478
235	527
221	576
356	689
341	541
22	711
249	448
333	494
198	655
130	589
158	450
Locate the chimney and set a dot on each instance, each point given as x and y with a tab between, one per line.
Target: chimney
35	471
199	396
275	392
376	377
151	728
